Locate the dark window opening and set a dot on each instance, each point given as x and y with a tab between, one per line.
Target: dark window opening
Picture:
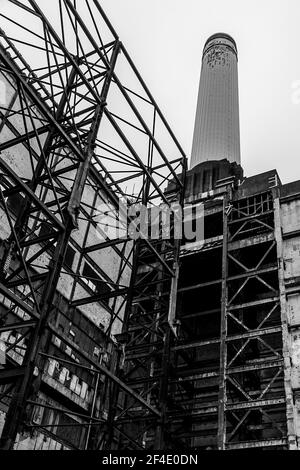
69	256
15	203
45	229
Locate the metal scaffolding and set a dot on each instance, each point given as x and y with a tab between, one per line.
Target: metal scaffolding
81	130
200	354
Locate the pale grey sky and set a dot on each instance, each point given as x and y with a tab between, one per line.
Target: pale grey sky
165	38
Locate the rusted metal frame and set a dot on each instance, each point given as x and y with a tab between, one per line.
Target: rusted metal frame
23	262
268	363
255	333
40	105
241	211
147	390
48	61
237	427
141	359
239	322
84	250
79	45
133	152
15	411
261	222
269	385
275	425
120	273
264	391
101	369
155	171
23	138
128	408
42	157
15	344
148	330
17	325
255	217
61	410
255	404
25	64
247	231
253	273
161	116
83	255
238	386
255	303
97	29
40	48
29	193
146	172
67	54
30	261
66	91
241	349
20	25
244	418
258	264
98	297
126	96
5	116
17	301
268	346
36	8
124	434
261	323
238	291
222	393
105	91
33	185
290	413
119	118
98	367
266	284
275	305
159	442
117	153
258	444
238	262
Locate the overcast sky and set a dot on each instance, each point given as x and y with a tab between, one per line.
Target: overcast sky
166	37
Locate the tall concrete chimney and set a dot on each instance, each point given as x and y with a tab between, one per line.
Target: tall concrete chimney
216	131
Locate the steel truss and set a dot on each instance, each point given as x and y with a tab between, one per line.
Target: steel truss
254	394
79	129
228	382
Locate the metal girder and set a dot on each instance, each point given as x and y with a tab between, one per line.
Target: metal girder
246	386
62	103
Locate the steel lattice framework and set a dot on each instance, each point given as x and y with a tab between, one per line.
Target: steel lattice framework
79	128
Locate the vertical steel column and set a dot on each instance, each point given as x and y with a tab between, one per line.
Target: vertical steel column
291	431
223	330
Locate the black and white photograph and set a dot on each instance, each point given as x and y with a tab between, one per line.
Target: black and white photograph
149	230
